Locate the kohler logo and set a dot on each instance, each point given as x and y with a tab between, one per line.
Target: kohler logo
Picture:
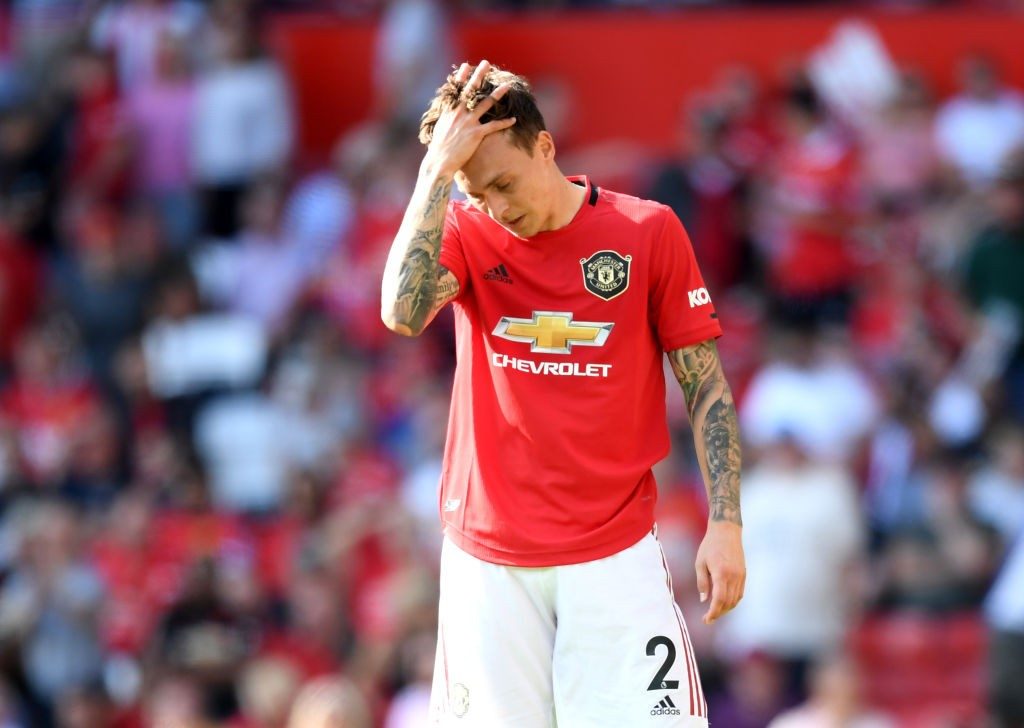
699	297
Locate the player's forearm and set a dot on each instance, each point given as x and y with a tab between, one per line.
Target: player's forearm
409	289
715	427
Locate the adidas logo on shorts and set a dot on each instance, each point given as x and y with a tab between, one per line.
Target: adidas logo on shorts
665	707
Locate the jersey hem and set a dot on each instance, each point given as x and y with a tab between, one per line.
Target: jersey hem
544	559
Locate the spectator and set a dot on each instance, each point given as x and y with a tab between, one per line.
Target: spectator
266	688
995	268
996	492
97	154
330	702
812	392
203	638
135	30
419	488
159	116
320	210
316	635
810	213
755	692
416	665
413	50
900	443
968	548
749	137
47	399
262	251
239	439
176	700
1004	612
190	353
50	605
11	475
242	127
976	130
20	271
804	537
900	163
40	27
32	146
100	287
140	577
835	701
85	707
94	474
705	190
946	560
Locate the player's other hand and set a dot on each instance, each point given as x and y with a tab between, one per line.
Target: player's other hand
721	571
458	131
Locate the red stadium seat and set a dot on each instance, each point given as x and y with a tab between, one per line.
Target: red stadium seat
926	671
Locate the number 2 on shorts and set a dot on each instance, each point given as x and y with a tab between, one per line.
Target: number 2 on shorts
659	682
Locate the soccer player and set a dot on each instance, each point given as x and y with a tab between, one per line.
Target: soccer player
556	605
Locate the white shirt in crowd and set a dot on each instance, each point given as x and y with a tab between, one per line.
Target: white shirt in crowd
802	531
240	440
976	135
827	407
243	122
1004	606
997	498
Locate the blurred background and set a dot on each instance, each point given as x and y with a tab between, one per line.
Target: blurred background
218	470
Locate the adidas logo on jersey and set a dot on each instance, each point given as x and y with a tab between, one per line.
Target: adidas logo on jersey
498	273
665	707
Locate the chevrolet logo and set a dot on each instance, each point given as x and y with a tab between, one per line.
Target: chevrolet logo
553	332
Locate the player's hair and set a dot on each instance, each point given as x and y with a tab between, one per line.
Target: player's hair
518	101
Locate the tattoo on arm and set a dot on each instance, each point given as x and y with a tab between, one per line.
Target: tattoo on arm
715	426
447	287
423	284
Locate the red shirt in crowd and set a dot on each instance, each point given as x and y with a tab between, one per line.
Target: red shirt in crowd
20	289
814	182
558	407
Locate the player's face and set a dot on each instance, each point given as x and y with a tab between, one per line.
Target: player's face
509	184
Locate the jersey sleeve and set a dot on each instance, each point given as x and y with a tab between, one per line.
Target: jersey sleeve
681	309
451	256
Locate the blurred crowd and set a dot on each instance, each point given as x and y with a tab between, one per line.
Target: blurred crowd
218	470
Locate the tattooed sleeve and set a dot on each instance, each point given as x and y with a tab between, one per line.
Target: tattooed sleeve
714	423
416	286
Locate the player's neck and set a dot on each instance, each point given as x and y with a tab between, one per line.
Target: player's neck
569	199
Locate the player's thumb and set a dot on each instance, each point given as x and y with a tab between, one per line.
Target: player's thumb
703	581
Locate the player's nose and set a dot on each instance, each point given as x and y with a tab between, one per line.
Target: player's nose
499	209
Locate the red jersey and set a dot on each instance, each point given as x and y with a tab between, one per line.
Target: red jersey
558	405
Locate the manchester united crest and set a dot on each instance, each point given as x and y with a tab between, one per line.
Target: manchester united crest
606	273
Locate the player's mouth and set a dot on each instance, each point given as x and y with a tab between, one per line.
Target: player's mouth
515	223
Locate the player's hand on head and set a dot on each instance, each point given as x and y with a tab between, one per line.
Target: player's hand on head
721	569
458	131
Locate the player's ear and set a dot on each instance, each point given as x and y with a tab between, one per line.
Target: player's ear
545	146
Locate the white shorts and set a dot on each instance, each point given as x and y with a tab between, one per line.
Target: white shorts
592	645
